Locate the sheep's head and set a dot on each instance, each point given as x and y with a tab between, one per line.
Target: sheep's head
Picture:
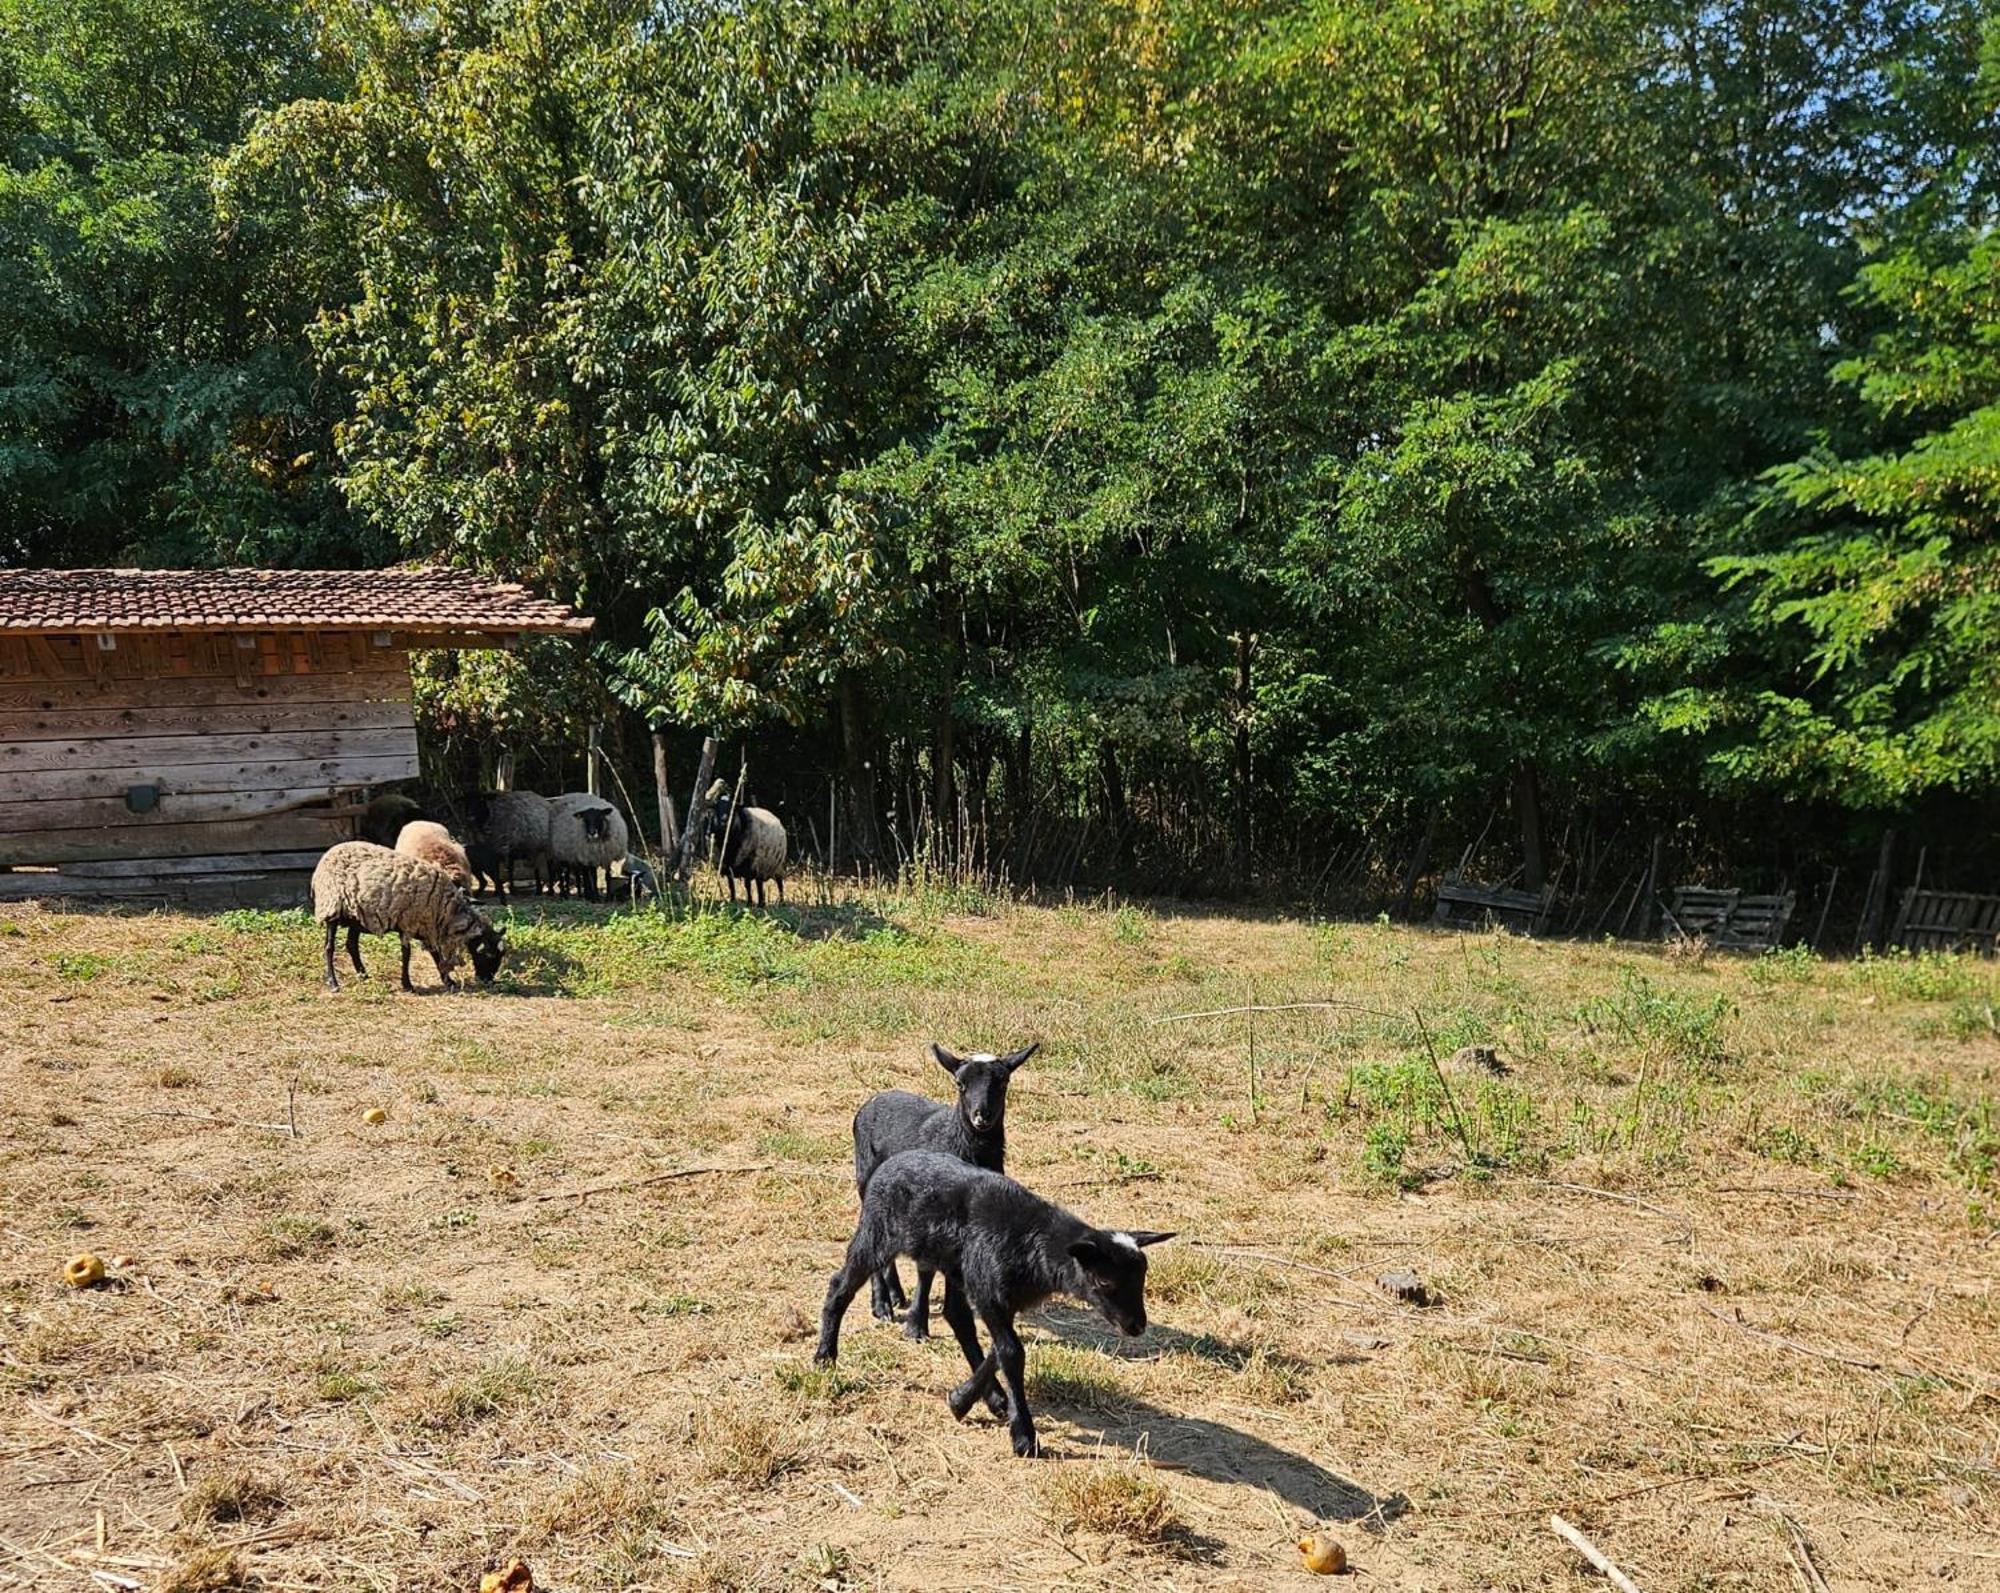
596	823
484	941
1111	1275
720	804
982	1084
479	809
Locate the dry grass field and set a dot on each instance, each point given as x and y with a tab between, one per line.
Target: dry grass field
1712	1267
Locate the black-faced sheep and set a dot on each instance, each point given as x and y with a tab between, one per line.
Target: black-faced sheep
974	1129
586	833
515	825
1002	1250
384	817
754	845
369	889
432	842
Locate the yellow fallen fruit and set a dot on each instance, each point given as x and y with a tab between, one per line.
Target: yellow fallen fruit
513	1577
1323	1556
374	1114
83	1272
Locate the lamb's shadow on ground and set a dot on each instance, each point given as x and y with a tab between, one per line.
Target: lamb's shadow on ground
1197	1445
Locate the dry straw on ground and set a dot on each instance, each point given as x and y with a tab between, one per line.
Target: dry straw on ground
1712	1264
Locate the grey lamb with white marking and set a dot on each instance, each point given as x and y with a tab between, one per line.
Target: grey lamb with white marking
369	889
1002	1250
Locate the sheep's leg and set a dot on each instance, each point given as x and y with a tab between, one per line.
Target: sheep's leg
437	962
1013	1359
781	890
354	949
760	890
590	883
332	978
958	1314
883	1287
919	1325
840	1293
406	961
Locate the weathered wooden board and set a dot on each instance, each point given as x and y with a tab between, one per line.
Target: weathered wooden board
223	887
163	754
52	696
283	832
207	719
168	867
198	654
194	779
204	807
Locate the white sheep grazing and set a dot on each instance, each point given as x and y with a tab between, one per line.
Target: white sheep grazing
432	842
369	889
586	833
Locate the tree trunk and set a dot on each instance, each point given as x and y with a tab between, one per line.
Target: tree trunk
697	809
670	839
1528	809
943	749
1116	814
857	772
1649	892
590	754
503	770
1245	642
1019	764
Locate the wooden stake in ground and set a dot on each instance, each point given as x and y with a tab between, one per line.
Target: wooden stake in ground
697	809
1591	1552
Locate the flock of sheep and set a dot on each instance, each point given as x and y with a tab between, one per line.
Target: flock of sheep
410	877
930	1173
932	1185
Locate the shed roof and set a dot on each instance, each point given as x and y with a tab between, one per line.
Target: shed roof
446	604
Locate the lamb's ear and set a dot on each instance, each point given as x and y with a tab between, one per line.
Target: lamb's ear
1014	1059
1143	1237
951	1064
1090	1254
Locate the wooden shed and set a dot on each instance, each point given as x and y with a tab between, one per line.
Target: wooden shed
203	735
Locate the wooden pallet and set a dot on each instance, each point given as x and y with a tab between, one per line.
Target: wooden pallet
1462	904
1730	919
1948	921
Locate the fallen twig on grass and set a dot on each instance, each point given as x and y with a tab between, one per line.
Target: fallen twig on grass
1686	1222
221	1121
1596	1556
1790	1191
651	1178
1281	1006
1793	1344
1802	1555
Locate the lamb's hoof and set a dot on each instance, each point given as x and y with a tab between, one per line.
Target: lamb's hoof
332	983
913	1329
883	1313
996	1402
961	1400
823	1358
1027	1446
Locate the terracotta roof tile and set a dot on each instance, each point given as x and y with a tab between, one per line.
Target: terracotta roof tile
416	598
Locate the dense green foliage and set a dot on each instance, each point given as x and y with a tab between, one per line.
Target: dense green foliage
1168	431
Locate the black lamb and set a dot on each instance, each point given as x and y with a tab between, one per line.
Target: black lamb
974	1130
1002	1250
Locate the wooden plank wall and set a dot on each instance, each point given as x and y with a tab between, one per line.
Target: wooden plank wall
260	744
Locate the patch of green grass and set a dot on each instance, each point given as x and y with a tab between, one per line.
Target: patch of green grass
289	1238
1061	1375
1664	1027
264	920
80	967
493	1389
1783	965
1917	975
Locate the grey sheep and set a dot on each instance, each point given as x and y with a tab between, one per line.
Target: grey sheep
586	833
513	826
754	846
369	889
423	838
384	817
974	1129
1002	1251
